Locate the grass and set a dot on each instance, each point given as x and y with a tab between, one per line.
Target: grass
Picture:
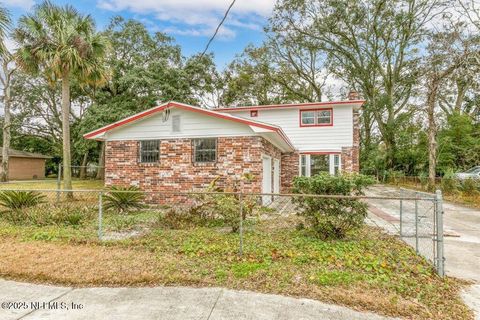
52	184
367	271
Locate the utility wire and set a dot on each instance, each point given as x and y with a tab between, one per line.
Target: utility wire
218	28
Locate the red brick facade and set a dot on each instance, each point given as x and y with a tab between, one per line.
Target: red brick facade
236	156
175	170
351	155
289	170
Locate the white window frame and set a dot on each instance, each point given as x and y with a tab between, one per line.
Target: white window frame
331	164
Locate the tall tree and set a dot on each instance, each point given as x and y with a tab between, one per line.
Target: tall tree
448	52
371	44
5	79
62	44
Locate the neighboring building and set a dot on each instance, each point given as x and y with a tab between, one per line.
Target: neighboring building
178	147
24	165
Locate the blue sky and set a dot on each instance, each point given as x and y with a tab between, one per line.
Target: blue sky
190	22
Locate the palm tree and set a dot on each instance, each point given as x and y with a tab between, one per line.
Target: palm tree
61	44
5	77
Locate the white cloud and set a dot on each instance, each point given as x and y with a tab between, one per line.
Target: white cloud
24	4
199	17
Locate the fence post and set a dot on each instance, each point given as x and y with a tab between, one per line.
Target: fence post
240	230
100	214
401	213
59	181
416	223
439	233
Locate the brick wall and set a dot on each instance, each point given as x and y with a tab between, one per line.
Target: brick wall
289	170
350	155
175	170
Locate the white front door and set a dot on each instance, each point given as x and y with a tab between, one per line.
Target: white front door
267	179
276	176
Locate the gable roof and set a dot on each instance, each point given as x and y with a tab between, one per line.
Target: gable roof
96	134
24	154
356	103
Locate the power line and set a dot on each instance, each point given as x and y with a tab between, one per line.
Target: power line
218	28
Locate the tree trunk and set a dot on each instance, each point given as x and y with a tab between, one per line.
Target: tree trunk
432	135
83	168
6	125
101	162
67	161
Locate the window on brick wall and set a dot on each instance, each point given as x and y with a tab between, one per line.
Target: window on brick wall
312	164
205	150
149	151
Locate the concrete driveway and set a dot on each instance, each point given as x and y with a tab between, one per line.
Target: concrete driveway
461	240
159	303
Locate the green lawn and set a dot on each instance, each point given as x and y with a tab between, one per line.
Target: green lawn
51	184
369	270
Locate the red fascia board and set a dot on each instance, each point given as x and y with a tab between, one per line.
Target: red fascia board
293	105
189	108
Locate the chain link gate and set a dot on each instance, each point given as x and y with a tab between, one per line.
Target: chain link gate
421	225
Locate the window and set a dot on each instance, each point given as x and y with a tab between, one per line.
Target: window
303	165
336	164
253	113
149	151
317	117
319	163
312	164
176	123
205	150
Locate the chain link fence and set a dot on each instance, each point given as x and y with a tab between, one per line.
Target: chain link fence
112	215
415	217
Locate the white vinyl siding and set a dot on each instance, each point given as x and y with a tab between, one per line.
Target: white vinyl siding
310	138
192	125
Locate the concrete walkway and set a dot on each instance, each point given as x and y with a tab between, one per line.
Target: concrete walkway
160	303
461	240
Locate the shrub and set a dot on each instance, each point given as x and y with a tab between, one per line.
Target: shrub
332	218
124	199
18	200
470	186
423	177
449	182
44	215
218	207
180	219
395	177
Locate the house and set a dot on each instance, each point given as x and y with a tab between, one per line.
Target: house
178	147
24	165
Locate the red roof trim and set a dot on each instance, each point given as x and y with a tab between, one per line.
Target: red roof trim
293	105
189	108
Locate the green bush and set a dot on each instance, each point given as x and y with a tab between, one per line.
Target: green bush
18	200
124	199
470	186
449	182
394	176
423	177
46	215
332	218
209	209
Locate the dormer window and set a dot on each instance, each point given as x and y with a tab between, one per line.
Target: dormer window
316	117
